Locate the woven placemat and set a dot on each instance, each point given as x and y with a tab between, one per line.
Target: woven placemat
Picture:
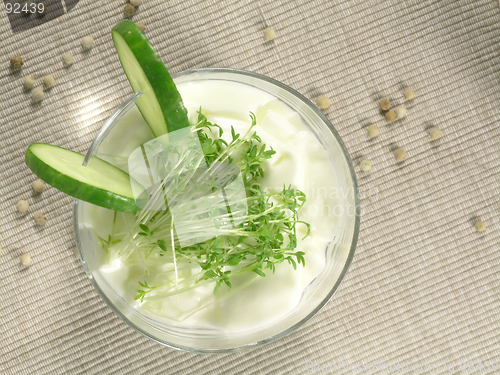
423	289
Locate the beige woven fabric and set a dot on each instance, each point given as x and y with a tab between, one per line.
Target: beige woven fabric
424	285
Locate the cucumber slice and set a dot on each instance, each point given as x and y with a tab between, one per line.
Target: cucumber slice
99	182
160	103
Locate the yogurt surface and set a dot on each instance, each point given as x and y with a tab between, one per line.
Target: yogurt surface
300	161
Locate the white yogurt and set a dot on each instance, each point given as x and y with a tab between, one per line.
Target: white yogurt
300	160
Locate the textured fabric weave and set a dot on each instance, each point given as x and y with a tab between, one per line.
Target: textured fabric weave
424	285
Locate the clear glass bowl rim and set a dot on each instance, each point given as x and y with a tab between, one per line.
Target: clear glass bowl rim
106	128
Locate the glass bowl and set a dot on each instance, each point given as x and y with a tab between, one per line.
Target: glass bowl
338	255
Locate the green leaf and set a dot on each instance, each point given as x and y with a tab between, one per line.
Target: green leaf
259	272
145	229
233	260
162	244
217	285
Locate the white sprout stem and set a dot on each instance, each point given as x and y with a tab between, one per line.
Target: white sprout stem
220	217
146	213
125	253
173	252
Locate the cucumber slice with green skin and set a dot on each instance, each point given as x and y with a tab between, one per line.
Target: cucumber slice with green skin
99	182
160	103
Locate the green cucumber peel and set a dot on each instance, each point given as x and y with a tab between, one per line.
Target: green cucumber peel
99	182
160	103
